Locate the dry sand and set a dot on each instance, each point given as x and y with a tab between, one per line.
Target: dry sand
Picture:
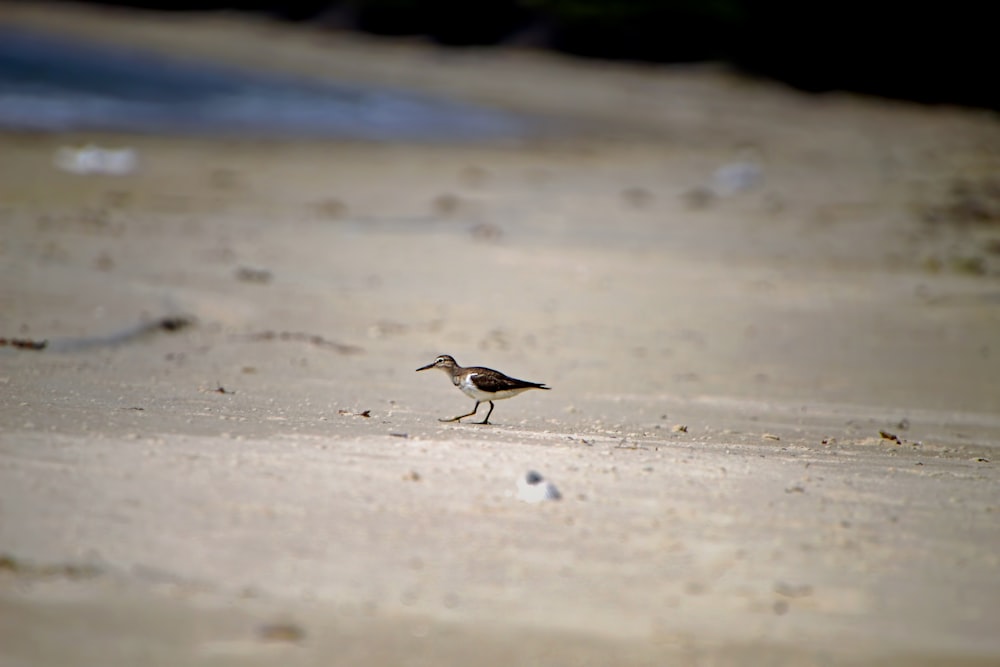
271	483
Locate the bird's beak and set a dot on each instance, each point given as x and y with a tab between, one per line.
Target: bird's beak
424	368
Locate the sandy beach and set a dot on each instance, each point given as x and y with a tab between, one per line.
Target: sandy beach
770	321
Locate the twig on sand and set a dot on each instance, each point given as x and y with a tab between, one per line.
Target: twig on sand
24	343
169	324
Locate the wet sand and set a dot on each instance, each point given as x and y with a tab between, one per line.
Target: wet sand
774	419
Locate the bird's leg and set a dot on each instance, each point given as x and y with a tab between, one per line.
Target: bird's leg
455	419
487	420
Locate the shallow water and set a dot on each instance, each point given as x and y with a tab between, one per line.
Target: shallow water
48	83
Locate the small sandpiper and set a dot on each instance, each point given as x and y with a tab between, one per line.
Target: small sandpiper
482	384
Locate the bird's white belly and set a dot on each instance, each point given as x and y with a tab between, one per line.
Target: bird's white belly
472	391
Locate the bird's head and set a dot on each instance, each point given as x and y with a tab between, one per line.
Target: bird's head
445	362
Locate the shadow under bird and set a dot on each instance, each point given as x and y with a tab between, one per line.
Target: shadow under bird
482	384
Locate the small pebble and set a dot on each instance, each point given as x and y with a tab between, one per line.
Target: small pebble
281	632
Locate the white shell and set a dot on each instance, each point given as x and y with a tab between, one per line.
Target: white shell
91	159
533	488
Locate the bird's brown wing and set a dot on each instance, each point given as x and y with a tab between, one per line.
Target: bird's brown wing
488	379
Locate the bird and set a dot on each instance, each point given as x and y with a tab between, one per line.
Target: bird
482	384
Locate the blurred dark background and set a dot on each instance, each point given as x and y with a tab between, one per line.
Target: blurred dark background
932	52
